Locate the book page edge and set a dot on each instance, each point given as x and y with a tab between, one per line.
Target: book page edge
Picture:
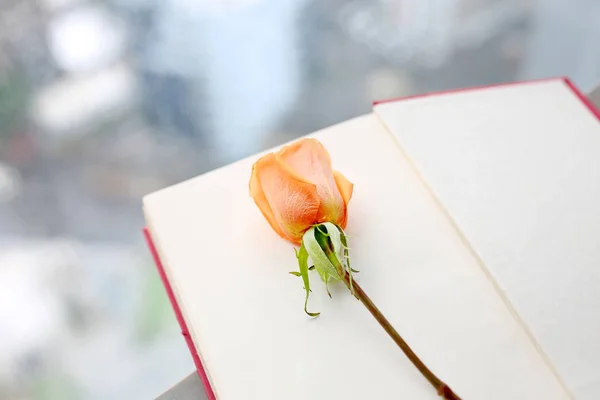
468	89
179	311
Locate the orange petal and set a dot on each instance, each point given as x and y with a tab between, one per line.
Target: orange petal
309	161
256	192
294	203
346	188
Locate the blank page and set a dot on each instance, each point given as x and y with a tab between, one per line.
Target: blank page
230	275
517	168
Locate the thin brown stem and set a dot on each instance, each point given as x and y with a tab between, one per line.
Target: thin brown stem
443	390
345	272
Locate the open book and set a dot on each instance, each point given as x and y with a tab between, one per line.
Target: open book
475	224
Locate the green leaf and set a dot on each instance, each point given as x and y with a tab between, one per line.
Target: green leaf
296	273
302	256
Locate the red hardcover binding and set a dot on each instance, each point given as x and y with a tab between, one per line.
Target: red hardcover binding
184	330
583	98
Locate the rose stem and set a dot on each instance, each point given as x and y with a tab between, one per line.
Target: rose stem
443	390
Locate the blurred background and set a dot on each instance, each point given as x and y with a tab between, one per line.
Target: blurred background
103	101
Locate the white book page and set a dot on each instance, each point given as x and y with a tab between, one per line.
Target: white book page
244	311
518	170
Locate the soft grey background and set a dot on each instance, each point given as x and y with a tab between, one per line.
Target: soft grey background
103	101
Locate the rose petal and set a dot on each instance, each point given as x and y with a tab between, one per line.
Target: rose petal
346	188
294	202
256	192
310	161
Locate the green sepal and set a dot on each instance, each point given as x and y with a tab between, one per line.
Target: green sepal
346	255
302	256
327	246
315	241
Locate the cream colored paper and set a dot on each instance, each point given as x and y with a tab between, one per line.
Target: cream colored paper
518	170
244	311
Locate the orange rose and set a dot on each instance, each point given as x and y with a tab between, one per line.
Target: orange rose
305	202
296	188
